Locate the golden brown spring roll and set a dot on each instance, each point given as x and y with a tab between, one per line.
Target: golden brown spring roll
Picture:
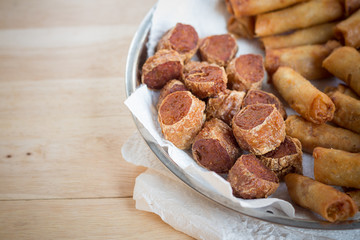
312	35
350	6
324	135
299	16
302	96
344	63
241	26
229	8
337	167
348	31
325	200
347	91
343	89
253	7
347	113
307	60
355	195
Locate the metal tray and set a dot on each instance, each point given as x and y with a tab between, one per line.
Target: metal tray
135	59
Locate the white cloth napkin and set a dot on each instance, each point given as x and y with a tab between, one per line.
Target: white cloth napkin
157	190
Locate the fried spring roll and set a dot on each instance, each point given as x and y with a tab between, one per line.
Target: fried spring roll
355	195
343	89
312	35
344	63
241	26
299	16
307	60
347	113
325	200
252	7
303	97
349	30
351	6
313	135
337	167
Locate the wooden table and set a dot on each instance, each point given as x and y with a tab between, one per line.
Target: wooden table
63	122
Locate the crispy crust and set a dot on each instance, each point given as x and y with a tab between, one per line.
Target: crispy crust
225	105
290	163
246	72
219	159
218	49
206	80
249	178
156	66
263	138
183	132
182	38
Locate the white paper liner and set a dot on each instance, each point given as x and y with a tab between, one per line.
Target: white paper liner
208	17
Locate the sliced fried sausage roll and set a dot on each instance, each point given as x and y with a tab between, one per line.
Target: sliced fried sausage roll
182	38
170	87
259	128
246	72
255	96
250	178
181	116
164	66
287	158
225	105
206	80
215	147
218	49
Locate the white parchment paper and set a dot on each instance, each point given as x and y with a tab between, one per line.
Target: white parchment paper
208	17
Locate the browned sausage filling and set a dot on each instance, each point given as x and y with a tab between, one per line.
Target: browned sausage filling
184	38
286	148
256	167
174	107
253	116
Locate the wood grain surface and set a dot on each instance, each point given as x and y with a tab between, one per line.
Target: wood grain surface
63	122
